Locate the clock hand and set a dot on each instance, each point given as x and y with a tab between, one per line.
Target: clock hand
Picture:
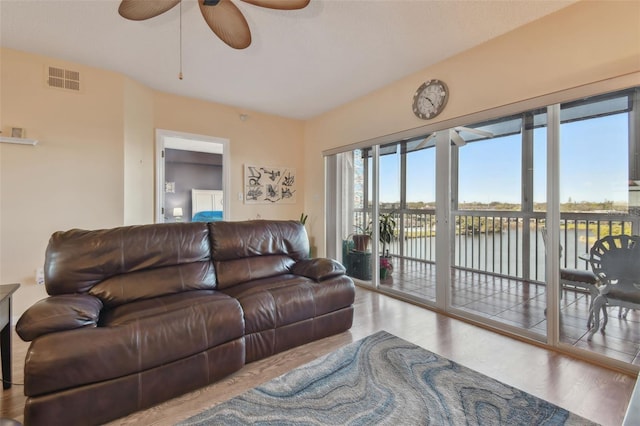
430	101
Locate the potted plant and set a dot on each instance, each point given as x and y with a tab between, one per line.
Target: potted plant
386	267
303	218
361	238
387	233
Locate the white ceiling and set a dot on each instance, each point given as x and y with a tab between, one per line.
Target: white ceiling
300	64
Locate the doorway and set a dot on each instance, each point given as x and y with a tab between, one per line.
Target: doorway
189	165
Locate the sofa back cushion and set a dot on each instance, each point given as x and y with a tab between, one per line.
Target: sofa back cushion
249	250
148	283
130	262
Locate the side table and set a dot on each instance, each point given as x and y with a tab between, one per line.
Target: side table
5	334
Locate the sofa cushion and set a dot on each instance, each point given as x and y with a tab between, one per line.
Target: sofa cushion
274	302
76	260
318	269
232	272
234	240
136	311
244	251
150	283
59	313
139	336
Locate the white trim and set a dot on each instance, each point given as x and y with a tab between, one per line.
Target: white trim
443	217
553	224
159	216
375	216
333	207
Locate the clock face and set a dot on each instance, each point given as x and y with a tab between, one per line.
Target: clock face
430	99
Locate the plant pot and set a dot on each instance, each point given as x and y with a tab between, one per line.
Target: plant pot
361	242
384	273
386	267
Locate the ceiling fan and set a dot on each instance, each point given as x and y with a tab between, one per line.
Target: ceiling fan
455	136
222	16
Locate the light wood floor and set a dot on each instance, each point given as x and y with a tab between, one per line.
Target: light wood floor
593	392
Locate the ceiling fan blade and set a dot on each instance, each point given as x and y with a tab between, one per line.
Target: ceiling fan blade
424	143
280	4
479	132
226	20
457	139
139	10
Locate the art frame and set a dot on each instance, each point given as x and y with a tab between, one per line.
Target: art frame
269	185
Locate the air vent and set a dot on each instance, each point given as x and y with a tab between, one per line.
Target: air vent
63	79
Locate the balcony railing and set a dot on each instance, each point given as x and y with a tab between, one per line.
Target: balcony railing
503	243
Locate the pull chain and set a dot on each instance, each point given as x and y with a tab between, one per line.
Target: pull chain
180	74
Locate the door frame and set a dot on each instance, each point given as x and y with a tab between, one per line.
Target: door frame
190	142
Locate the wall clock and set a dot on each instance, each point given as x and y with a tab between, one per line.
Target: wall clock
430	99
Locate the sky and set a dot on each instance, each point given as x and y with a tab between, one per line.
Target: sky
593	166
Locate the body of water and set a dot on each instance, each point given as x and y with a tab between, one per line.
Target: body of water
502	252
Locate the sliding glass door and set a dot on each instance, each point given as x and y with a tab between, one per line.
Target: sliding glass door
493	221
417	230
598	182
498	203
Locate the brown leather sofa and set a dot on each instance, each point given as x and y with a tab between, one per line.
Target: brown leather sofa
141	314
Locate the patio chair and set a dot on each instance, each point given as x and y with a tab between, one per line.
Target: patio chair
615	259
579	278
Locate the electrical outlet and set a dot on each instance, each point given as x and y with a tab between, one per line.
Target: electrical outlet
40	276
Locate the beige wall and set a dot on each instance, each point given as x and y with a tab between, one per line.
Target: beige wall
138	154
95	163
584	43
72	178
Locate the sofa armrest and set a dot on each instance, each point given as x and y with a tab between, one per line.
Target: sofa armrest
318	269
59	313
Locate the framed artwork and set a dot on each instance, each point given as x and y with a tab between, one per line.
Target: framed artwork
269	185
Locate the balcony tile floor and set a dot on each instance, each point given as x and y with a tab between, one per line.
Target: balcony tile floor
521	304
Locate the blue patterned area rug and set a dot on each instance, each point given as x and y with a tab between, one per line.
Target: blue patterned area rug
383	379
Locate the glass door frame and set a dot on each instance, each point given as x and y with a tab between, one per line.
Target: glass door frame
444	181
